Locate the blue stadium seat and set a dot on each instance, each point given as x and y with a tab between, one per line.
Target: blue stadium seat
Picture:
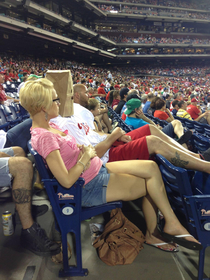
12	119
14	114
66	205
207	130
189	124
24	113
183	198
4	124
200	142
199	127
116	118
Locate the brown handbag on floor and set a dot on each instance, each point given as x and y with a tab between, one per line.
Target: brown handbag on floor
121	240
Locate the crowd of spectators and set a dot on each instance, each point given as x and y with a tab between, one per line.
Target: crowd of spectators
15	67
169	3
150	11
148	39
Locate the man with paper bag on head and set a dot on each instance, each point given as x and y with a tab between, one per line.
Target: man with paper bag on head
137	144
63	85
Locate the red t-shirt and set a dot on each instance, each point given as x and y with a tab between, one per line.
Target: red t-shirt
161	115
101	91
193	111
107	96
123	117
3	96
115	102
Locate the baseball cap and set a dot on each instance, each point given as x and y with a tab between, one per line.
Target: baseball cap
116	86
194	100
102	85
131	105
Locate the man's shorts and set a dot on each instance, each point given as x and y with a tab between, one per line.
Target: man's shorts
169	130
136	149
203	120
5	176
94	192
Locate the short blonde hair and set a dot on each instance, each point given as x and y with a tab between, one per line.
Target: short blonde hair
35	95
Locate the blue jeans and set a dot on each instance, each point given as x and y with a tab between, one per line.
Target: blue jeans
19	135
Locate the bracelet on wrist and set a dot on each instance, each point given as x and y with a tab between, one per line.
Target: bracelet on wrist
82	164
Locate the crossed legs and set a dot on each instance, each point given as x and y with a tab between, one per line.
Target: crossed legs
130	180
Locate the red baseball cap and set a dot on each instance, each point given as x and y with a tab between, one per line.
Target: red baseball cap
102	85
116	86
194	100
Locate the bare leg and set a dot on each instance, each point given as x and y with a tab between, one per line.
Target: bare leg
107	121
156	132
18	152
176	156
144	179
22	172
178	128
208	118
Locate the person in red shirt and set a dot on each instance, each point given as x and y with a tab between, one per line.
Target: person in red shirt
162	112
3	96
116	87
101	91
7	77
196	113
11	74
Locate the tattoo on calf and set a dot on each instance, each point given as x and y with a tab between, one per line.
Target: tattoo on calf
21	196
178	162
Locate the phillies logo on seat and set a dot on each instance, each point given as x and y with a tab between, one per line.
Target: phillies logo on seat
65	196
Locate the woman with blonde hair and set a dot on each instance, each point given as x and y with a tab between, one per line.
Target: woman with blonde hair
124	180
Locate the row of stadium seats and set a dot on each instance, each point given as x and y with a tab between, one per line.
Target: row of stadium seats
12	115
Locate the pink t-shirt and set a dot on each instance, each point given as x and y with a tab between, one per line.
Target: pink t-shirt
44	142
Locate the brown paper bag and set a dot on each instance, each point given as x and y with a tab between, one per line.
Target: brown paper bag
63	85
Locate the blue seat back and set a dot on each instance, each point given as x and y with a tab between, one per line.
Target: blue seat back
117	118
200	143
69	213
207	130
189	124
181	189
199	127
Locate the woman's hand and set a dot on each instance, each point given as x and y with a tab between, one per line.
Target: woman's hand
90	151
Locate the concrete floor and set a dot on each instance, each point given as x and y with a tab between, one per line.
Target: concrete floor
17	263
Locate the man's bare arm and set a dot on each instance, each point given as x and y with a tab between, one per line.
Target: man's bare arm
102	147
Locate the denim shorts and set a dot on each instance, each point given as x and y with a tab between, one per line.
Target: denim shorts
5	176
94	192
169	130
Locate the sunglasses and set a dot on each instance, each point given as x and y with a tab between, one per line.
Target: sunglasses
57	100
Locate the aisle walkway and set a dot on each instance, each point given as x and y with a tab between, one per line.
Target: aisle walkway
151	263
